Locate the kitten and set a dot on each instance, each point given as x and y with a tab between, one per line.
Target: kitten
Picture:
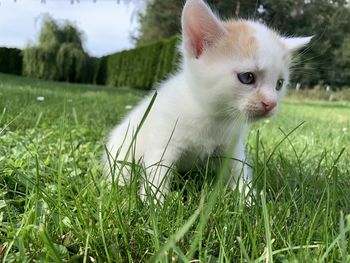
233	72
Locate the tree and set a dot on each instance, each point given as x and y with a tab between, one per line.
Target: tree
59	54
329	22
341	70
161	18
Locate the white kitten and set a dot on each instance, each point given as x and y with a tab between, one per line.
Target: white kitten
233	72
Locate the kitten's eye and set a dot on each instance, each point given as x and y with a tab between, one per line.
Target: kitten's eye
247	78
279	84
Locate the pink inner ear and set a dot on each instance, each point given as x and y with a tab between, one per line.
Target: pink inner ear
200	27
198	48
201	37
197	43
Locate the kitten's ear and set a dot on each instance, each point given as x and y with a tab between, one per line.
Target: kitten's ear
200	27
295	43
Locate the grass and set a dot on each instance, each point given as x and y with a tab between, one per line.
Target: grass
55	206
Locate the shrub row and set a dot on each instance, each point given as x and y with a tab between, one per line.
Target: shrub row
141	67
11	60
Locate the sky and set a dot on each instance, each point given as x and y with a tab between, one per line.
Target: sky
107	26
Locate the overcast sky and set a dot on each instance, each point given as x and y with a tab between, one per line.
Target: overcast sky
106	24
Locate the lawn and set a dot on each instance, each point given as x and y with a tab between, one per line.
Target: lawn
55	206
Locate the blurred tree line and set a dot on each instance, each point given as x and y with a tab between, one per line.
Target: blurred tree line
326	61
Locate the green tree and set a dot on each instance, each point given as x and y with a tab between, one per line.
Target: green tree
59	54
329	22
161	19
342	63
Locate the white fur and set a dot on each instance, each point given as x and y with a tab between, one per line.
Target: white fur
201	110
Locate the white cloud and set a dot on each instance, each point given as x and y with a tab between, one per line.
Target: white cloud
106	24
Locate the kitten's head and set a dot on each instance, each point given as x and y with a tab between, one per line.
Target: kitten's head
238	68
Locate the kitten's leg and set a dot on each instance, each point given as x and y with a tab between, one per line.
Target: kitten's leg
158	176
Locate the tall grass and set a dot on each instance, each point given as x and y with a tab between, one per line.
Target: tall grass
55	206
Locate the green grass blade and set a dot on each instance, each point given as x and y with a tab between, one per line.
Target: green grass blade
266	218
179	234
49	245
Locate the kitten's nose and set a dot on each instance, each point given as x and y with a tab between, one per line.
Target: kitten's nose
269	104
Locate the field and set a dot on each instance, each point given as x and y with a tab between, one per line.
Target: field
55	206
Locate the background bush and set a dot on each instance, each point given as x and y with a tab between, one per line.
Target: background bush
11	60
141	67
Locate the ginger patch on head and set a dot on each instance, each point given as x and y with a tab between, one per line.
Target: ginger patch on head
239	41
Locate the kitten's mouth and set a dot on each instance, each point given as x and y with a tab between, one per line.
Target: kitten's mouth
258	115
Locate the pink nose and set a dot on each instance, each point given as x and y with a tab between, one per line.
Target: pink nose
269	104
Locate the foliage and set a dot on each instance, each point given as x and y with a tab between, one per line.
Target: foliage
59	55
56	58
141	67
329	22
342	62
11	60
160	20
55	206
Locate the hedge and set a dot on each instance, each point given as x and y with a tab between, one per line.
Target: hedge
141	67
11	60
